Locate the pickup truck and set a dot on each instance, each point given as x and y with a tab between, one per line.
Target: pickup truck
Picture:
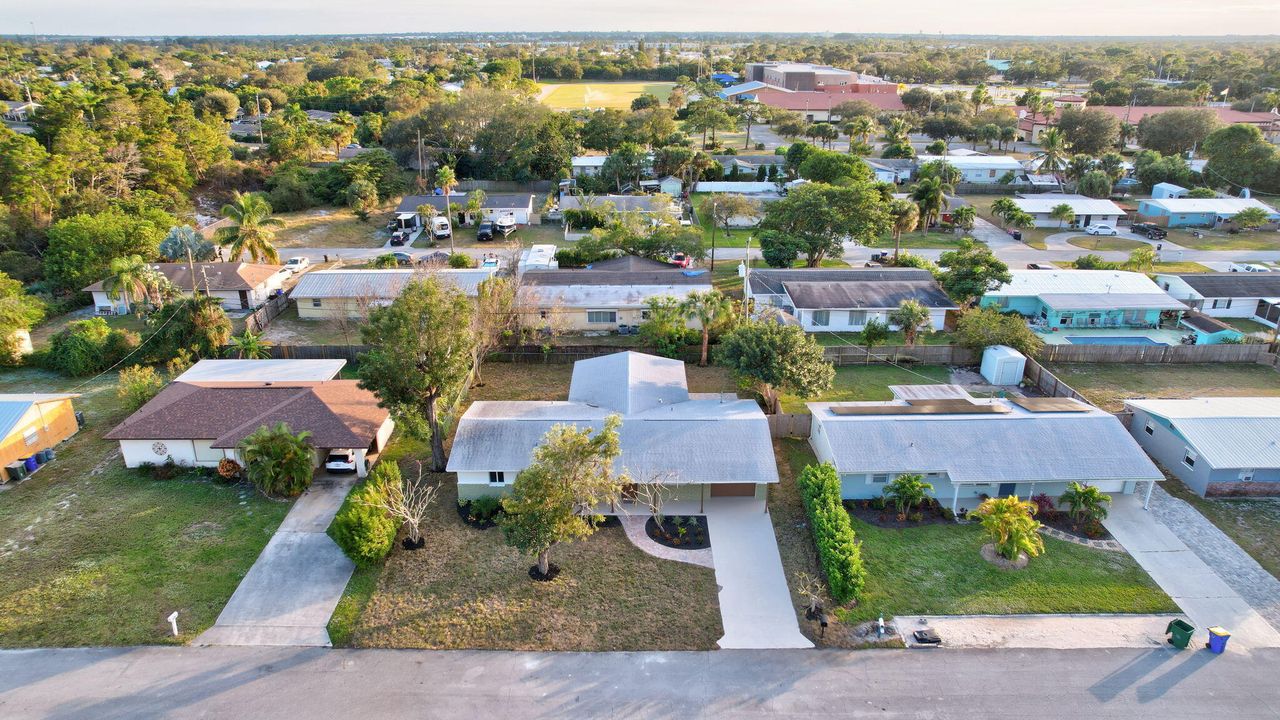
1149	230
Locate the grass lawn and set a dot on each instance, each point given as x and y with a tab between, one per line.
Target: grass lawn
571	96
1219	240
1253	523
922	241
1160	267
288	329
937	570
94	554
1245	325
1099	242
869	382
468	589
43	333
733	238
895	338
527	235
327	227
536	381
1107	385
1032	237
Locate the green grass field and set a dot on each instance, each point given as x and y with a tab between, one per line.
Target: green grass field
570	96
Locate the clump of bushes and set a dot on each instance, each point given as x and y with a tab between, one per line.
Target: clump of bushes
460	261
137	385
90	346
839	551
482	510
363	531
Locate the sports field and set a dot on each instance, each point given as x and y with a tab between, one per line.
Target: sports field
569	96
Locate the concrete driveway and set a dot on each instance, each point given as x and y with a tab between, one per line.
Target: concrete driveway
289	594
755	603
1193	585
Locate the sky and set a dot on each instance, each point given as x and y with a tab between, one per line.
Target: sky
301	17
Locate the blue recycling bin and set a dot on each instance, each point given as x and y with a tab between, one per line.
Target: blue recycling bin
1218	637
32	463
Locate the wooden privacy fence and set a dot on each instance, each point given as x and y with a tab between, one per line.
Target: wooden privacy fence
1154	354
897	354
790	425
1048	383
259	319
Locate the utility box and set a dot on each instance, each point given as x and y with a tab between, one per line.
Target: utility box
1002	365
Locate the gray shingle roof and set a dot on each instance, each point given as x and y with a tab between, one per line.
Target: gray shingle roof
1234	284
850	289
1014	447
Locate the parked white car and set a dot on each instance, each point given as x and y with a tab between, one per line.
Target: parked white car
341	461
1100	230
297	264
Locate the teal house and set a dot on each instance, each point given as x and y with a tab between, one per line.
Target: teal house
1209	330
1083	299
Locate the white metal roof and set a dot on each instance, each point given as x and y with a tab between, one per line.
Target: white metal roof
604	297
589	160
628	382
1080	204
383	284
976	161
261	371
1227	432
738	188
1019	446
1221	206
1028	283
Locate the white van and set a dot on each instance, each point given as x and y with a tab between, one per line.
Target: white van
440	228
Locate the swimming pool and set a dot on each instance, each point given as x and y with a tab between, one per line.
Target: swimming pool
1111	340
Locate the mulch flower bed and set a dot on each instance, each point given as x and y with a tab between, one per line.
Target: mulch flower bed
931	513
681	532
464	512
1085	531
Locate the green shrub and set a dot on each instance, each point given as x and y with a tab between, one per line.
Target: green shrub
460	261
90	346
137	385
838	549
364	533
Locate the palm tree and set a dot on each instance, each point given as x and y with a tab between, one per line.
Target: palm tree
1128	131
130	278
861	127
183	242
989	134
1053	151
979	97
1077	166
1003	208
1062	212
907	491
278	461
906	216
1085	502
708	308
251	229
249	346
1113	165
964	217
447	181
1011	525
1008	134
344	129
931	195
897	131
910	316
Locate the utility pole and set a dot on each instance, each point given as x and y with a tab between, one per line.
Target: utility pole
713	234
422	179
257	109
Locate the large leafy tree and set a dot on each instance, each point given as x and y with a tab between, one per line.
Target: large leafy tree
419	360
81	247
1176	131
971	271
194	323
980	328
1089	131
834	168
278	461
820	217
554	500
773	359
252	228
1239	155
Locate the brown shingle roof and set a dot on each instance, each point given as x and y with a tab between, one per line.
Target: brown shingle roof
337	413
220	275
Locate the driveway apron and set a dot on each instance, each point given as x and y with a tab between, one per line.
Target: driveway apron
292	589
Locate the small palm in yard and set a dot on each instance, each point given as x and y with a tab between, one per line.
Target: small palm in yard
1062	212
1010	524
278	461
1085	503
907	491
249	346
911	316
708	308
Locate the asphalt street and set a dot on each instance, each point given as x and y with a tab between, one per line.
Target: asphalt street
222	682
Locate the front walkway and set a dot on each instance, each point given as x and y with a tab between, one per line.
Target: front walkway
1192	584
755	602
289	594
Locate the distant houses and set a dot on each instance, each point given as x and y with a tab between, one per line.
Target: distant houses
1199	212
1254	296
846	300
349	292
980	169
239	285
1085	210
517	206
608	295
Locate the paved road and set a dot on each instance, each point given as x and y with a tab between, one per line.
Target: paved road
317	684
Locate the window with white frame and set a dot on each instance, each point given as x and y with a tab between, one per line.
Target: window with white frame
602	316
1150	429
1189	458
497	477
31	436
857	318
880	478
1246	475
315	302
821	318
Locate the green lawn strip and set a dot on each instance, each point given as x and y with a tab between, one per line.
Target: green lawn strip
95	554
1215	240
1101	243
921	241
835	339
869	382
1108	384
733	238
1254	524
1245	325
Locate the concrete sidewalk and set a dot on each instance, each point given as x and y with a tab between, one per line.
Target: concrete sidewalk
289	594
1193	585
755	603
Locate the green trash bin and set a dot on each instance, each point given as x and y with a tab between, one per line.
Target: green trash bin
1180	632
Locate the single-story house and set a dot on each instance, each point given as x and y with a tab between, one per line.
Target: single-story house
518	206
739	164
643	204
884	171
1086	210
668	435
1199	212
1214	445
669	185
344	292
249	370
610	293
971	448
845	300
200	423
1083	298
19	110
240	285
586	165
1164	190
321	116
31	422
1255	296
984	169
760	188
816	105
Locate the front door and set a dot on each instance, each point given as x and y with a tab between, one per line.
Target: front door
733	490
1007	489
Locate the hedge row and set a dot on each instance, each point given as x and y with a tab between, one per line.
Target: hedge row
838	550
